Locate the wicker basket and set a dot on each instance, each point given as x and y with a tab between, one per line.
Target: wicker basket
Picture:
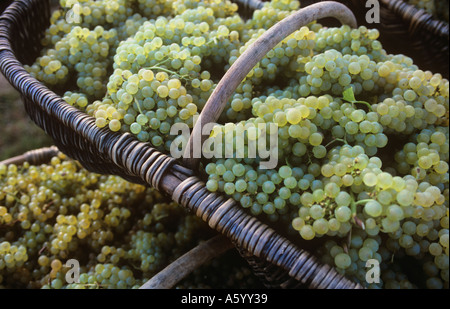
105	152
173	273
407	30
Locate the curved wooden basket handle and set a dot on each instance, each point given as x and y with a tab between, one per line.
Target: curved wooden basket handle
36	156
188	262
251	56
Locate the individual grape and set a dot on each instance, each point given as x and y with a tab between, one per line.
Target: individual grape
298	223
373	208
212	185
307	232
315	139
343	199
395	213
343	213
342	260
320	226
370	179
316	212
443	240
285	172
365	253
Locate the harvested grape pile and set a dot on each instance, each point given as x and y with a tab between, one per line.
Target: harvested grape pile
362	134
120	233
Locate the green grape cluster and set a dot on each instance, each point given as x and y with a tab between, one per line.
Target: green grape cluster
158	75
220	9
89	13
288	57
82	51
325	189
149	249
362	135
350	258
121	233
155	87
154	8
355	42
272	12
184	40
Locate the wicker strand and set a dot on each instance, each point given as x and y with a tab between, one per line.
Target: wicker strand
427	36
417	18
256	237
271	276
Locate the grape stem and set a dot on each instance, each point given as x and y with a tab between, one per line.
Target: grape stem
14	196
348	242
159	68
349	96
212	41
166	70
363	102
138	105
336	140
353	204
353	208
42	250
162	62
363	201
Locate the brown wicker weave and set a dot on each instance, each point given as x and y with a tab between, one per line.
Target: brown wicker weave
423	37
106	152
34	157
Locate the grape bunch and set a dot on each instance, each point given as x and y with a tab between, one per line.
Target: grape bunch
120	233
361	134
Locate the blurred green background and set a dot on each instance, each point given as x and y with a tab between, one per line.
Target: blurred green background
18	133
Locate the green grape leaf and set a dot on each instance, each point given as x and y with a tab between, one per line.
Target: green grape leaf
348	95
